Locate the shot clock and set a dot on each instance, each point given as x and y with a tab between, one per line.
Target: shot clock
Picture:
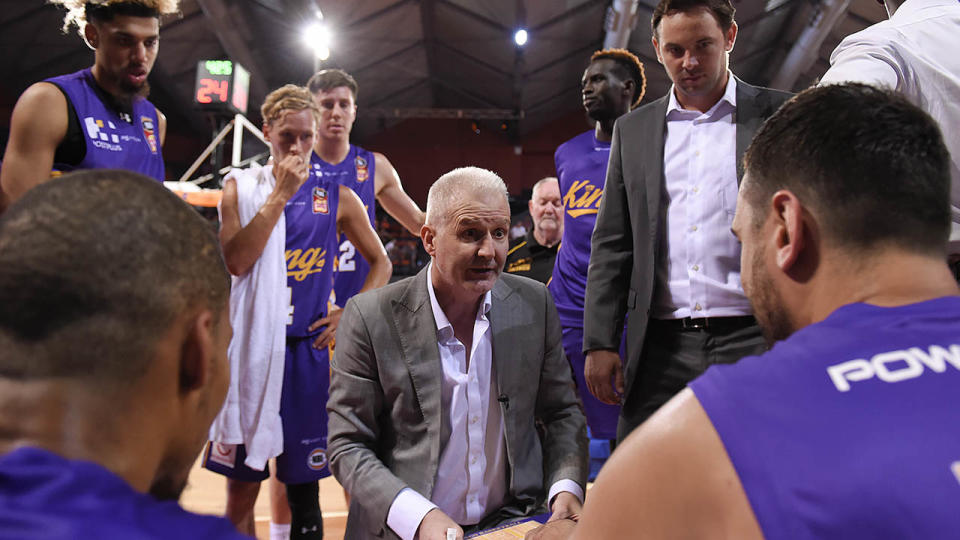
222	85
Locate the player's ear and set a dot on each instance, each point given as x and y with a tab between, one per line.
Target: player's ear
789	239
629	87
91	35
198	352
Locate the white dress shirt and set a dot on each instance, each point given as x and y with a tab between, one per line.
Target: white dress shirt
915	53
472	474
698	265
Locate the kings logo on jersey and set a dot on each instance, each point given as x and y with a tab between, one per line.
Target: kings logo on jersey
582	198
148	131
362	171
320	205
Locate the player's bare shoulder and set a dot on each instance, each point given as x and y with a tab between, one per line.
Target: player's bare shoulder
43	107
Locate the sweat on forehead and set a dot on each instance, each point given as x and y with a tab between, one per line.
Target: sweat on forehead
458	184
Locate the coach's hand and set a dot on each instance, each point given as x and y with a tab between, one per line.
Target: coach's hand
434	526
604	374
331	321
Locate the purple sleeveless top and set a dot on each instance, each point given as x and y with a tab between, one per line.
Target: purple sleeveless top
356	172
43	495
113	141
311	219
850	428
581	170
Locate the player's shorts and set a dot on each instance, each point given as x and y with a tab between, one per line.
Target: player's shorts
601	417
303	413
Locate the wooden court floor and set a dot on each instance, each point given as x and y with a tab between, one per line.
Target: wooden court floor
206	494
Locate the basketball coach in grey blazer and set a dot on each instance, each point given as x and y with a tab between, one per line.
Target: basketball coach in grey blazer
438	381
662	251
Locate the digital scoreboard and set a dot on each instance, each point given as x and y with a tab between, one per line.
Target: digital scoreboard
222	85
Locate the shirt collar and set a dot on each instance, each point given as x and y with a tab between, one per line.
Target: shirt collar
444	328
532	243
729	96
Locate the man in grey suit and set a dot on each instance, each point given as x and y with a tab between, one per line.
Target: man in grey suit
438	381
662	250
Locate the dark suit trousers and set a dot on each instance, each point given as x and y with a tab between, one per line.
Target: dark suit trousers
673	356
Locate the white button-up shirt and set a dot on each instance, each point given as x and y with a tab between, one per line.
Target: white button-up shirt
915	53
472	475
698	266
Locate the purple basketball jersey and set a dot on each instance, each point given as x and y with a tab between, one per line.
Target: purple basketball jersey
356	172
113	140
849	428
582	170
43	495
311	218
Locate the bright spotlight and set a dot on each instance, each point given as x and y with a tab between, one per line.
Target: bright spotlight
520	37
317	37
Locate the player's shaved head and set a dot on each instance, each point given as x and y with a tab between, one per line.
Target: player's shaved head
94	267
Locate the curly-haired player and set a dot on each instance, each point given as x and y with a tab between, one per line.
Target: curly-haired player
98	117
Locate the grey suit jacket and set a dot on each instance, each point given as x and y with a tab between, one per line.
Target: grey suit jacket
385	404
624	246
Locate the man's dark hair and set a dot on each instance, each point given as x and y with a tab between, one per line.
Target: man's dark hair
106	12
868	163
722	10
94	268
628	67
329	79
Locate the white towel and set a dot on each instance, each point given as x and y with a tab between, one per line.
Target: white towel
258	313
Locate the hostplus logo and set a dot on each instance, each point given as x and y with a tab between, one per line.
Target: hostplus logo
104	135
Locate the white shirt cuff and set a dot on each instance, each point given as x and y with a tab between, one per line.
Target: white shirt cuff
564	485
407	511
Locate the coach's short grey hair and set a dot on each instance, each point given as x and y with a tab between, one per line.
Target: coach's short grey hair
456	184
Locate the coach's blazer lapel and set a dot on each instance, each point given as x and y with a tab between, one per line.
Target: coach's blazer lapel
652	162
509	337
417	332
653	158
504	326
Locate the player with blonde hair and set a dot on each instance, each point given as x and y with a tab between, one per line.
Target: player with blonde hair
279	228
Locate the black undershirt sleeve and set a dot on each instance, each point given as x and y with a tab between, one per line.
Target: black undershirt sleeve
73	148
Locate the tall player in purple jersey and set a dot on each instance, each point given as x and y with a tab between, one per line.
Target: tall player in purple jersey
367	173
847	428
612	85
96	118
113	359
314	211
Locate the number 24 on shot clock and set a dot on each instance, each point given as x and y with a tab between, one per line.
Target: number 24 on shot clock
222	85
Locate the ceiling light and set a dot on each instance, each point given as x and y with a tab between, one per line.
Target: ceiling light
317	37
520	37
